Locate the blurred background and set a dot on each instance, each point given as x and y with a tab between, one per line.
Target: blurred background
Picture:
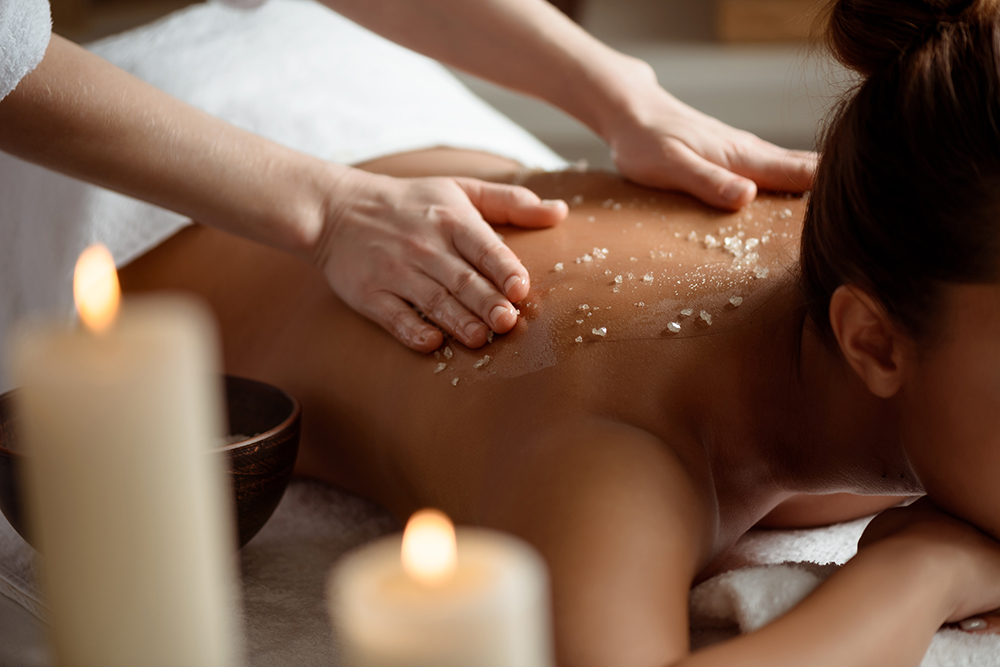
755	64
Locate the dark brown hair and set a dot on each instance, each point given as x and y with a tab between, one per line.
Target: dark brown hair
907	195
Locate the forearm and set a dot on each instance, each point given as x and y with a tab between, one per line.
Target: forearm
882	608
80	115
525	45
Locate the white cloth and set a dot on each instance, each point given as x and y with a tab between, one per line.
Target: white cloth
770	571
292	71
285	567
25	28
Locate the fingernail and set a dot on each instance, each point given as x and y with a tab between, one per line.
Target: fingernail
735	190
970	624
552	203
511	283
496	314
472	330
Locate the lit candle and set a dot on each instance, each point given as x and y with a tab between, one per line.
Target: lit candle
125	501
442	598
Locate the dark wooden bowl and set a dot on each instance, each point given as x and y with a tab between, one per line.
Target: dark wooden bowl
259	466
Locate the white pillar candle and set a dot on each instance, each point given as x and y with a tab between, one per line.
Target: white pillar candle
125	501
486	605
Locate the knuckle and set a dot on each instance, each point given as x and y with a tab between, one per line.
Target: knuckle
398	321
490	253
435	299
464	281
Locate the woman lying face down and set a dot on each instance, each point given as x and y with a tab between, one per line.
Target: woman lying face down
679	374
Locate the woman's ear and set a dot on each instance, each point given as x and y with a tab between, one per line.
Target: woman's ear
871	343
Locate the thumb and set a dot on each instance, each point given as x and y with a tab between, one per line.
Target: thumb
512	204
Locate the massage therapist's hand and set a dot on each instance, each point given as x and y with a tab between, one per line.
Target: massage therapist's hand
662	142
969	559
392	242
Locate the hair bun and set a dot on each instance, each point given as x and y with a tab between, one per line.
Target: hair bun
868	35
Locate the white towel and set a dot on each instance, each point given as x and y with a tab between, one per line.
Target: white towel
770	571
285	567
25	28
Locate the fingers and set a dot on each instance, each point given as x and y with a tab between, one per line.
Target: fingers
481	247
438	301
511	204
982	624
398	318
776	168
709	182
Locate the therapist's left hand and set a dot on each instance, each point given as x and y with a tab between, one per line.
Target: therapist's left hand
663	143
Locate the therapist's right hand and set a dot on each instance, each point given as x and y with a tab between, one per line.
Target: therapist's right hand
391	247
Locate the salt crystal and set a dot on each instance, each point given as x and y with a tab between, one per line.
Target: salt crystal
440	367
736	300
579	321
705	315
616	290
711	241
559	266
603	331
482	362
648	278
576	200
638	224
786	213
489	334
618	279
693	237
687	312
617	207
608	203
761	272
591	218
583	306
734	245
633	259
454	382
640	304
673	327
448	354
579	339
750	258
750	244
588	258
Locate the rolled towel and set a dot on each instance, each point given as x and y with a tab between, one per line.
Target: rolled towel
25	28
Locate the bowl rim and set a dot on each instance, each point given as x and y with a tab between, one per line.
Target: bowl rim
295	413
281	426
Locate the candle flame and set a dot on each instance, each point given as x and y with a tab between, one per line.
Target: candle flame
430	552
95	288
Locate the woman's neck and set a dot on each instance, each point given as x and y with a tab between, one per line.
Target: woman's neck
833	435
801	422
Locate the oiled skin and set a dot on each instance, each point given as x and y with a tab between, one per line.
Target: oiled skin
632	460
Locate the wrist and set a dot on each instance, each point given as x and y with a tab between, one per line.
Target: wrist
621	94
934	563
343	188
